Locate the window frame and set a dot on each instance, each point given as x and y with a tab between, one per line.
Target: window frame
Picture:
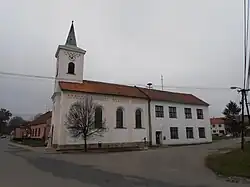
38	132
71	68
174	133
199	115
100	124
191	129
199	128
188	113
121	125
159	111
172	114
138	126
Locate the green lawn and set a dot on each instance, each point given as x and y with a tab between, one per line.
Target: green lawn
234	163
30	142
220	138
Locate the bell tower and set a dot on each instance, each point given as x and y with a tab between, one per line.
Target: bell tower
70	60
69	68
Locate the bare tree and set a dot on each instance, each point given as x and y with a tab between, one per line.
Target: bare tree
84	120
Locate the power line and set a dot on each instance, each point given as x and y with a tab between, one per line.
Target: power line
9	74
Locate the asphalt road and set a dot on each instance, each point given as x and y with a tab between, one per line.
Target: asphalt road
162	168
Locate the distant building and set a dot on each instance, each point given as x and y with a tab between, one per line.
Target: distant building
218	126
39	128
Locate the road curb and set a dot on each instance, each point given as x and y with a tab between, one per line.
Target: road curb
25	147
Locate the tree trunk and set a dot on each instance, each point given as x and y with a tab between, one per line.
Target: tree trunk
85	144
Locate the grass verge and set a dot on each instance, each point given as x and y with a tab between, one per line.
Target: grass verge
30	142
233	163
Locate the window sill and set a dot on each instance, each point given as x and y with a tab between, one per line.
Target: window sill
140	128
71	73
120	128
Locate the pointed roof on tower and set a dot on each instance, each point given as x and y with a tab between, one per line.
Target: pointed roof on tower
71	39
70	42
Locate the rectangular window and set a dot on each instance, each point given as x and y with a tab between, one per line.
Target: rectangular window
35	132
188	113
221	132
219	125
189	132
38	134
159	111
214	131
213	126
199	114
202	133
172	112
174	132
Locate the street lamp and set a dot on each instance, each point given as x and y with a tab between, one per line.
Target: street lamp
235	87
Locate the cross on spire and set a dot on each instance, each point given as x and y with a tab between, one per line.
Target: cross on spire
71	39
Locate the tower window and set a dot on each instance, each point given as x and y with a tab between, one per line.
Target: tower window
71	68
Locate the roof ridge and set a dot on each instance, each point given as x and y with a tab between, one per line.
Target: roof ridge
93	81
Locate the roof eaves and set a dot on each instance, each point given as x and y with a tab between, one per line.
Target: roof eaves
121	95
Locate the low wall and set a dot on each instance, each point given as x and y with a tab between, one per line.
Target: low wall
101	146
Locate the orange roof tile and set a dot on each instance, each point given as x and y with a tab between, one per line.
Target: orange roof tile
130	91
41	119
214	121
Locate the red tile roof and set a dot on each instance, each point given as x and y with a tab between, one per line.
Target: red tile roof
214	121
42	119
95	87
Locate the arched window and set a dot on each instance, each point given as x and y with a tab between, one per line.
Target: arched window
71	68
98	117
119	118
138	118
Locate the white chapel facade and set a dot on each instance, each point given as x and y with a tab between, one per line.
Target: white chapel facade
133	115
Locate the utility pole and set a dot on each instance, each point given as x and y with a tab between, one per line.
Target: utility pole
243	99
242	116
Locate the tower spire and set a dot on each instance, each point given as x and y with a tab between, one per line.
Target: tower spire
71	39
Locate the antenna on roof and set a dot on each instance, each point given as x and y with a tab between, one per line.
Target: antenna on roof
162	82
46	108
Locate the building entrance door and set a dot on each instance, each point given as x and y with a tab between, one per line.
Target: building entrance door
158	136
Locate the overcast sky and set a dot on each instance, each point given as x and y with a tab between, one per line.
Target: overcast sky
192	43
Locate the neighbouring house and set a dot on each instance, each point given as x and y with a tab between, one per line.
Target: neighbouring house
218	126
40	127
18	133
36	129
21	131
132	114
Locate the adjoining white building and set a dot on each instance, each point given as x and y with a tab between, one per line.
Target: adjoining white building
218	126
132	114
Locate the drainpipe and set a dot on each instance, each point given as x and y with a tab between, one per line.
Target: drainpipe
149	115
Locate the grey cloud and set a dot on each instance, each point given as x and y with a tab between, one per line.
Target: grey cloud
191	43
